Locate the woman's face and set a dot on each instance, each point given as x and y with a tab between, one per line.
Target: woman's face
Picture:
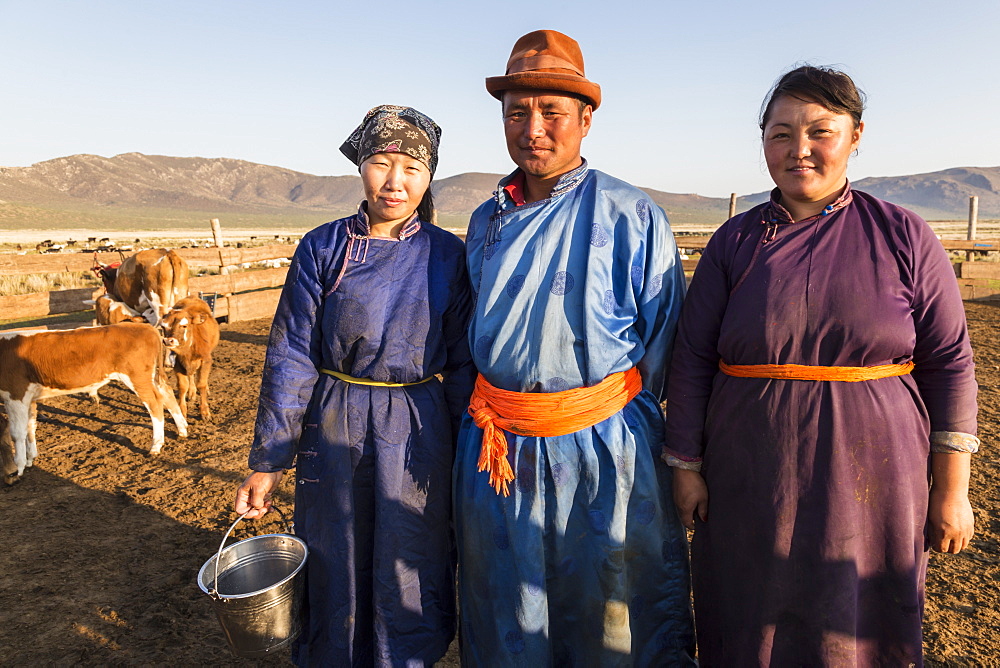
394	185
806	147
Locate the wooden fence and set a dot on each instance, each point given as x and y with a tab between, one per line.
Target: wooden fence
241	296
254	294
979	280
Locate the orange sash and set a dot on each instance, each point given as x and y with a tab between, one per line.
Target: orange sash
542	414
847	374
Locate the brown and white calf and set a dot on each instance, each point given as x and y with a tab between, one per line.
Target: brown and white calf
109	311
7	467
191	333
149	282
38	365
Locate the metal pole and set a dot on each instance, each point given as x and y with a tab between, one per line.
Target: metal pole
732	205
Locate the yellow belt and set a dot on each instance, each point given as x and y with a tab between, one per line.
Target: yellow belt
368	381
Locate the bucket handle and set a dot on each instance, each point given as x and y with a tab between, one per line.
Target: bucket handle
290	526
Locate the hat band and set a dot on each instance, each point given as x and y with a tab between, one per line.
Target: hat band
532	63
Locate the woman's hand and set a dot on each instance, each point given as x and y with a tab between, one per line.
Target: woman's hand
950	522
254	495
690	496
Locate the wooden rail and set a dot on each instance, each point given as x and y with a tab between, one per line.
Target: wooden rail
23	265
20	265
254	294
978	280
974	245
692	241
240	296
988	270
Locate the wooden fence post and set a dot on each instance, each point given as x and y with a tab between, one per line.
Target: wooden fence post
217	232
217	235
732	204
973	216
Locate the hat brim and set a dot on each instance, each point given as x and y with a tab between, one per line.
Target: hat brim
567	83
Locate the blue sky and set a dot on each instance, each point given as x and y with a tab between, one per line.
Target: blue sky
283	83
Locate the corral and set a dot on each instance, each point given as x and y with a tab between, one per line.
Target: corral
103	542
236	296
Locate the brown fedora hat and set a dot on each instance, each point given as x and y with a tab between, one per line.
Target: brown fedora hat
546	60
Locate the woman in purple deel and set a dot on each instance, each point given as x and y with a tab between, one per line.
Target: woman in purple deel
367	373
821	410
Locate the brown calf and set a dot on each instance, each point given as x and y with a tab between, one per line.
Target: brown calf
7	467
191	333
108	311
150	282
46	364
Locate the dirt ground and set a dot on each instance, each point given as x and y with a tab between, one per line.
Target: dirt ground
102	543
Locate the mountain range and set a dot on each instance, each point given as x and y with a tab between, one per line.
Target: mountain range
223	186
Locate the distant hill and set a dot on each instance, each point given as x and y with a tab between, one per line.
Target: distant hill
223	184
940	195
134	182
204	184
461	194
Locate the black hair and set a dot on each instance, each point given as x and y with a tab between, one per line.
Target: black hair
425	210
581	101
827	87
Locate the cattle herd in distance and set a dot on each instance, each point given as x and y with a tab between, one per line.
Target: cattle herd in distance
108	245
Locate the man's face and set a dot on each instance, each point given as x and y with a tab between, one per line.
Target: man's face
544	130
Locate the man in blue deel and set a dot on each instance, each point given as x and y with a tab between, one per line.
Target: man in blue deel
570	550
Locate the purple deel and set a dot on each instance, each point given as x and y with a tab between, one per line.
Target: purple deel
814	551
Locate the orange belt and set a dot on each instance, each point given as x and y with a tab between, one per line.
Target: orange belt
542	414
847	374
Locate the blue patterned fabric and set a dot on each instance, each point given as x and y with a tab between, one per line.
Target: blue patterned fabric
585	563
373	492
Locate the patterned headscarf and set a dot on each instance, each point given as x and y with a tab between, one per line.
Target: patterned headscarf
391	129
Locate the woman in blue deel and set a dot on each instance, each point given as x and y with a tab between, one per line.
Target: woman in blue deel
367	373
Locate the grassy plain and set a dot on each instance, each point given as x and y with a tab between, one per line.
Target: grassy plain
30	218
24	285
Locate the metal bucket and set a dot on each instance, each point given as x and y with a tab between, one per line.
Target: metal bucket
256	587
